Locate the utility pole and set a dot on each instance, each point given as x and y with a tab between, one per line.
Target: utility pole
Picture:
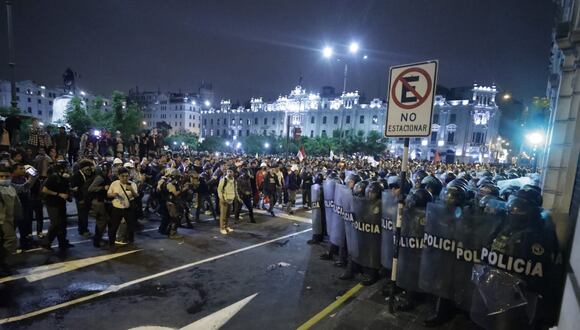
11	57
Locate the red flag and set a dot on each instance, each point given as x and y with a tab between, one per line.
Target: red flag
301	154
437	158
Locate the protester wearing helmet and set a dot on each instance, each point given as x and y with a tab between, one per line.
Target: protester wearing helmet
56	192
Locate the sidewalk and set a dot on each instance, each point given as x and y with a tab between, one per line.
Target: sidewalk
369	310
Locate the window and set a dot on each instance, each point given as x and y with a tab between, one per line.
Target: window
248	122
346	133
49	102
375	119
264	133
204	121
433	137
211	121
256	121
274	121
324	120
450	137
211	132
436	118
362	119
240	133
335	120
224	132
17	90
40	112
193	117
348	119
265	121
39	101
452	118
477	137
29	100
247	132
233	121
218	132
312	132
29	110
225	123
219	121
189	124
312	120
241	121
323	134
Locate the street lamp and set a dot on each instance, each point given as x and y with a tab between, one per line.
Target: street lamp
144	123
266	145
353	49
327	51
228	143
238	145
535	138
207	103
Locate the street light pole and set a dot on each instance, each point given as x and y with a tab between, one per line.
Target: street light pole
345	75
11	56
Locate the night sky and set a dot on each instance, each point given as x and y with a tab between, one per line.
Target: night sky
261	48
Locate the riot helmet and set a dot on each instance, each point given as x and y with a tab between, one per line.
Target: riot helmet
352	180
359	188
505	192
448	177
432	184
374	191
453	196
419	198
531	194
319	178
521	211
418	177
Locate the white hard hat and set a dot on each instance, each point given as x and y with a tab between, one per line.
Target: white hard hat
128	165
117	161
263	164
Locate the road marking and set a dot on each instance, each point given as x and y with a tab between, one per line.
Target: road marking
287	216
34	274
115	288
55	245
323	313
218	319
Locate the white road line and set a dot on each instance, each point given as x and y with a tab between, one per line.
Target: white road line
286	216
115	288
38	273
55	245
217	319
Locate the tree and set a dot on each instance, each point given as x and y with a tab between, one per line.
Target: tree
76	116
212	144
191	140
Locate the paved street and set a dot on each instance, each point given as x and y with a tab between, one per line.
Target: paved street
173	283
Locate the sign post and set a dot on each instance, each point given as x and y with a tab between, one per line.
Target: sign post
409	112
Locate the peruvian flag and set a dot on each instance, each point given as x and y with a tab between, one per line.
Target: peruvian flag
301	154
437	157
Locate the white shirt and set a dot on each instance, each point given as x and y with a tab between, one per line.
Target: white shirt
121	202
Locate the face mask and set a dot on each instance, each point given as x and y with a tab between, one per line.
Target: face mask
4	182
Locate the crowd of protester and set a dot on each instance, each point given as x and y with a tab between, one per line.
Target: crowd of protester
120	181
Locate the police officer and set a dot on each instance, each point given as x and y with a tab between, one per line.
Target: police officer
318	205
56	191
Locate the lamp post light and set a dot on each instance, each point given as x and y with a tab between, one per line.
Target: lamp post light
353	49
534	138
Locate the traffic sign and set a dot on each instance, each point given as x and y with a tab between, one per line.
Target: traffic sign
411	95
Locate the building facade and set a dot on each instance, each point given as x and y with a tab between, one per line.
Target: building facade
464	130
33	99
181	111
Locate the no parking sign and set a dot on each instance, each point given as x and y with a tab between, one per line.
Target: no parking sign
411	95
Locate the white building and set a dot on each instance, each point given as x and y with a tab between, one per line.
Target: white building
463	129
178	110
33	99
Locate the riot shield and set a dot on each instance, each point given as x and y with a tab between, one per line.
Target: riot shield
388	220
438	255
328	193
364	241
410	248
318	221
342	204
473	231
